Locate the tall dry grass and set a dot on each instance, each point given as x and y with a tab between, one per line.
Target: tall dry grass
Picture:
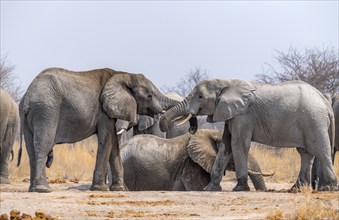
76	161
71	161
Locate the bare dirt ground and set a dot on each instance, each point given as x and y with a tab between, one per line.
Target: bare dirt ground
75	201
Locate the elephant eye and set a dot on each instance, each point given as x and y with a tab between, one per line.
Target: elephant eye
149	97
200	96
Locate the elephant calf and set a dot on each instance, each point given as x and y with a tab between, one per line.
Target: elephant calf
178	164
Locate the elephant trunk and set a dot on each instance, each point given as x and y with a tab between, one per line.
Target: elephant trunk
178	110
168	103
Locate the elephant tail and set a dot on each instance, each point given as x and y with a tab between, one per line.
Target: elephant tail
22	118
331	132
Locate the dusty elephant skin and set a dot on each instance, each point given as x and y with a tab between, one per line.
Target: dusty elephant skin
334	100
150	125
9	120
291	114
65	107
183	163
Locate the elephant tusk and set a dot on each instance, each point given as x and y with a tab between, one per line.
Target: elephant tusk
163	112
121	131
183	120
260	173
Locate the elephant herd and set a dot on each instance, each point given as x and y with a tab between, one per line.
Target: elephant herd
62	106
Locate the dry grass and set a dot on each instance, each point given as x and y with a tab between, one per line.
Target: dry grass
73	162
310	210
76	162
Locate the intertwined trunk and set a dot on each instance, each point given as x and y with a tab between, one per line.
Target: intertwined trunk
178	110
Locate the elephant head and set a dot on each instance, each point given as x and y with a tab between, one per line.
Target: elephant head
203	147
220	100
126	95
150	125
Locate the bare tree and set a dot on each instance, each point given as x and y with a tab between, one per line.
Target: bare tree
318	67
186	84
8	80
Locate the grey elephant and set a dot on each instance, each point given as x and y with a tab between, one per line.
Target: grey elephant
62	106
183	163
291	114
334	100
9	121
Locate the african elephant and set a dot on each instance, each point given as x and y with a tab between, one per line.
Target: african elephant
334	100
62	106
9	121
178	164
290	114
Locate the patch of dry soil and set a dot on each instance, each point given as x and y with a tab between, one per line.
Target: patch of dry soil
75	200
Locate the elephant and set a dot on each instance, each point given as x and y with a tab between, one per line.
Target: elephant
9	123
182	163
145	125
63	106
290	114
334	100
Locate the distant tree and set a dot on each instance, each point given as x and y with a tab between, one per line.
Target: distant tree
8	80
186	84
318	67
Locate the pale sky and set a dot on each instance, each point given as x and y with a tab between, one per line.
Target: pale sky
161	39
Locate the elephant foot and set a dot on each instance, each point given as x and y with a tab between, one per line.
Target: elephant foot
102	187
298	186
31	189
242	185
4	180
117	187
294	190
212	187
43	189
328	188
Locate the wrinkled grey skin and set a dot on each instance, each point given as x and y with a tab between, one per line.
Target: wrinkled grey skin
150	125
178	164
334	100
62	106
9	121
291	114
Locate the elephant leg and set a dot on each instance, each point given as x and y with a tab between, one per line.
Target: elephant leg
7	147
319	145
28	136
220	163
105	131
43	144
4	157
304	177
315	173
116	165
241	143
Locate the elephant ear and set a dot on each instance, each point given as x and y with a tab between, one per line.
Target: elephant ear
118	101
233	100
202	147
145	122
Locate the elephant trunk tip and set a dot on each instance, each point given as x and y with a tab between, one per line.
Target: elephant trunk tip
164	124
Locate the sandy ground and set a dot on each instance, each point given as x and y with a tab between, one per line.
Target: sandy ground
75	201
